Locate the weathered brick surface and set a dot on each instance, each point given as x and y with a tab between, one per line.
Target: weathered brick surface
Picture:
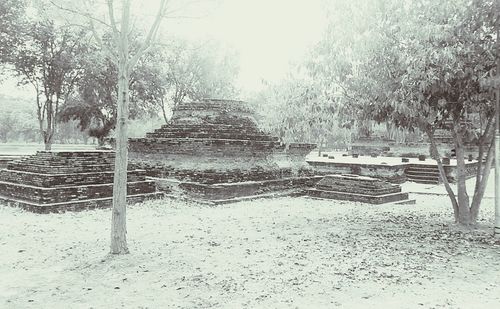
42	195
64	180
357	188
391	173
239	189
54	180
377	199
77	205
216	141
356	184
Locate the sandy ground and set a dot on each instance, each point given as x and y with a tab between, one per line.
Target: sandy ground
269	253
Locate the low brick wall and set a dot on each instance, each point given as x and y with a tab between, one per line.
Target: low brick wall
358	197
63	180
409	150
357	188
470	171
42	195
210	192
77	205
391	173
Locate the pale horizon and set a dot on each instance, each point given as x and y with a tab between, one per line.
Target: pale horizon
268	37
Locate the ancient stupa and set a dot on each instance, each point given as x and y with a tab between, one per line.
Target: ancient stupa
68	180
211	143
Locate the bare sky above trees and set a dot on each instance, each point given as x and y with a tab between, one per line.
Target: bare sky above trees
267	35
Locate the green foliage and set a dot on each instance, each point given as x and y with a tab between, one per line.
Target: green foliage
419	65
47	57
11	23
296	110
194	71
94	106
416	65
17	120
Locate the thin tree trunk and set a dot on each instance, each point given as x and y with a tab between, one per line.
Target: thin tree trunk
464	216
48	131
100	141
163	110
320	146
442	173
479	172
478	195
482	173
481	139
119	214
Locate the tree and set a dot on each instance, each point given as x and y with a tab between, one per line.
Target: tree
424	65
193	72
8	124
11	23
46	56
125	62
94	105
125	56
296	110
125	59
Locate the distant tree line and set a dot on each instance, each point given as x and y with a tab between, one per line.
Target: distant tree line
75	82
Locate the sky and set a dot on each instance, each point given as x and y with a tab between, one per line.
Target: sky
267	35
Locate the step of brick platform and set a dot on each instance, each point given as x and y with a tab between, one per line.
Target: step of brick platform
355	197
90	204
425	174
358	189
74	179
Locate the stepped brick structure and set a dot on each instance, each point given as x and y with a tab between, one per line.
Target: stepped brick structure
214	142
5	159
358	188
60	181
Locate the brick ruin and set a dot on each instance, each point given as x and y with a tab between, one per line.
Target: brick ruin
359	189
60	181
214	142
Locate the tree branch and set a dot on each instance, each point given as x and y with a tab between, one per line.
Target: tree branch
151	34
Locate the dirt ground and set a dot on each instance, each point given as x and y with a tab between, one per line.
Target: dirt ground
268	253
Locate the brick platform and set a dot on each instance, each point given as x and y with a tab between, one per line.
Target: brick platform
214	142
60	181
358	188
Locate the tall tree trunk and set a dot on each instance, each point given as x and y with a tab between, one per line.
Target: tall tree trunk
442	173
479	171
483	181
101	141
464	216
320	146
164	113
48	131
119	213
482	173
118	221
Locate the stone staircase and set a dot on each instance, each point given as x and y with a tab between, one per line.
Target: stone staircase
425	174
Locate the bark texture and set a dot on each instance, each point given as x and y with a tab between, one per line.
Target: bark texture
119	213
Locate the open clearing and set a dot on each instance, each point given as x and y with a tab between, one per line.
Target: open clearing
268	253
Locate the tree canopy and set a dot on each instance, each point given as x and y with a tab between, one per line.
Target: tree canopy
420	65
